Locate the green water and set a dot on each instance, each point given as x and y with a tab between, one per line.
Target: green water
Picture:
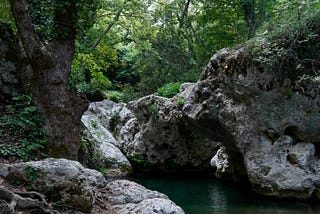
207	196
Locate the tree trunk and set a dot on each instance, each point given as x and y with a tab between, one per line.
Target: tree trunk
60	107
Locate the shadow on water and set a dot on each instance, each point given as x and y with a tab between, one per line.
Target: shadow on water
203	195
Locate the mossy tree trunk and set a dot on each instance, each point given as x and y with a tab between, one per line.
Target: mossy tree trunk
50	63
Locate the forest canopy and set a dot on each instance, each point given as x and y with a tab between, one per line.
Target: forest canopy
129	48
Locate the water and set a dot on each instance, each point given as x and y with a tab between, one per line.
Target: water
207	196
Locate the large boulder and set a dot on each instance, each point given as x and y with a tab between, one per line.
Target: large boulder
152	135
267	122
125	196
161	139
53	185
100	149
60	180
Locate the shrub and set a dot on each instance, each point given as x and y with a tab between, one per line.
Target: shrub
21	129
291	41
115	96
169	90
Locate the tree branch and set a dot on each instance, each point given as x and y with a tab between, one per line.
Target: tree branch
108	28
184	13
110	25
30	40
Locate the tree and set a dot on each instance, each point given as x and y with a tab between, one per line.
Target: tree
50	66
105	53
256	12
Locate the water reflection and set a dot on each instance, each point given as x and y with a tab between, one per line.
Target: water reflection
217	198
207	196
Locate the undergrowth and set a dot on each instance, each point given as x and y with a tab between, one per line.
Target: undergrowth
21	135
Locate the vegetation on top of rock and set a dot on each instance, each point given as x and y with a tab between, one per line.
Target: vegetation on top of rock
291	42
169	90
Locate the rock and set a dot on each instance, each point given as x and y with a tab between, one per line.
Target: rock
124	192
23	202
100	150
185	85
152	134
60	180
149	206
267	121
128	197
66	183
264	120
164	141
128	133
220	161
283	169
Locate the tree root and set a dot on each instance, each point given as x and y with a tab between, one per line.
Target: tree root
24	202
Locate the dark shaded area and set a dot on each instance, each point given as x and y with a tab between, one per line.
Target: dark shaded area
293	132
9	64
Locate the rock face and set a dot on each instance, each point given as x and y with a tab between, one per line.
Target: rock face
100	148
164	141
153	136
68	184
268	122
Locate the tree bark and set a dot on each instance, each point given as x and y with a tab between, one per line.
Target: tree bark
60	107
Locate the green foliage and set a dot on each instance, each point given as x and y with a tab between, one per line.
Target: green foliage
42	15
186	34
144	45
169	89
103	170
87	74
115	96
223	24
153	110
22	127
32	173
5	13
180	101
291	40
94	123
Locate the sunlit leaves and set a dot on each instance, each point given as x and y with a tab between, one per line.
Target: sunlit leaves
5	14
87	74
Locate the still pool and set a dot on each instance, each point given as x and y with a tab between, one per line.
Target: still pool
206	196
